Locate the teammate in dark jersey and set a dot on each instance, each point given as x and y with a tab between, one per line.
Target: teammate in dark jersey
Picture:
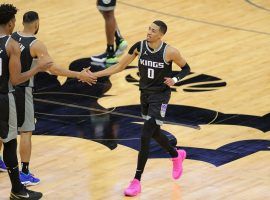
155	68
31	49
10	74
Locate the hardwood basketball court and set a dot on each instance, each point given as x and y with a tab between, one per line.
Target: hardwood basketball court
227	45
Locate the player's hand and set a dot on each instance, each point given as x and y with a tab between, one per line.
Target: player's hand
44	63
86	76
169	81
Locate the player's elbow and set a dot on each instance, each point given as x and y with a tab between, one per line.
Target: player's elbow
14	81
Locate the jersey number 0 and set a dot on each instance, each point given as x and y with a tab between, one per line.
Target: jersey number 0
150	73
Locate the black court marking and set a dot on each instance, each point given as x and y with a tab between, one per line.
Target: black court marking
256	5
112	112
191	83
78	119
195	20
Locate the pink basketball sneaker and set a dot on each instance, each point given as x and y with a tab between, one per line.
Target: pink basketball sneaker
177	164
133	189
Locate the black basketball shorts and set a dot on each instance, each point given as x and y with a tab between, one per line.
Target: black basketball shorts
155	105
8	118
25	109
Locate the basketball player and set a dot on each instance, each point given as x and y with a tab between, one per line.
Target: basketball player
31	48
155	68
106	8
10	74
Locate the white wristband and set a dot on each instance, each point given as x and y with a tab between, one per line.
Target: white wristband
174	79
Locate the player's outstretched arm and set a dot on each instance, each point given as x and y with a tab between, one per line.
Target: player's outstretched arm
16	77
38	49
123	63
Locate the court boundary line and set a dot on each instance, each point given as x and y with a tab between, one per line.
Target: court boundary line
256	5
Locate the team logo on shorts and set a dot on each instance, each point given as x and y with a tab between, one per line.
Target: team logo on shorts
106	1
163	110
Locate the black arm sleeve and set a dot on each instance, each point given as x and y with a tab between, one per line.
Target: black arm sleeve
135	46
184	72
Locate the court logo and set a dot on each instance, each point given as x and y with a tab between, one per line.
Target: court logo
72	109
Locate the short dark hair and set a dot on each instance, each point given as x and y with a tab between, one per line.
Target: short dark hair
7	13
162	26
30	16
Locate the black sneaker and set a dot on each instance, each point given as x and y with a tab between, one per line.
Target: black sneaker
111	60
25	194
104	58
99	58
121	47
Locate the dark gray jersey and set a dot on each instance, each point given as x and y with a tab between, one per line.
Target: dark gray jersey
5	85
153	68
27	61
